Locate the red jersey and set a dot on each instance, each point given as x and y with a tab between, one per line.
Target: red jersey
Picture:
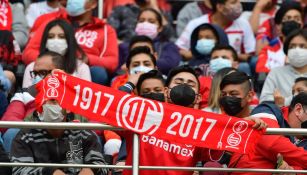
97	39
159	152
267	149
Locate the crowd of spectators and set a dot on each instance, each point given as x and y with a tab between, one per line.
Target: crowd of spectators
214	55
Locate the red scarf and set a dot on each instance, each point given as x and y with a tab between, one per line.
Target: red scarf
5	15
144	116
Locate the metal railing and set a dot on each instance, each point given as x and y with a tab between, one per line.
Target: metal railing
135	164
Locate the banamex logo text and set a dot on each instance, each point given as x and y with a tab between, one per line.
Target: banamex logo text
140	115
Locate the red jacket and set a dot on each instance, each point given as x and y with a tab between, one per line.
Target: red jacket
97	39
17	111
267	149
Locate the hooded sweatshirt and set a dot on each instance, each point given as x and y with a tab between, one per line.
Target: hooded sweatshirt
199	58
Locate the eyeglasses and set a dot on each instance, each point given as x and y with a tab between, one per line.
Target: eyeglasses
41	73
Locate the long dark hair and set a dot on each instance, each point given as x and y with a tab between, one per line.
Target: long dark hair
73	50
293	34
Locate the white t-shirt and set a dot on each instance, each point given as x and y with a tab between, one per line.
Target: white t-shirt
37	9
240	34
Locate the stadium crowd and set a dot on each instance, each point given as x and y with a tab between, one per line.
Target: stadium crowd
212	55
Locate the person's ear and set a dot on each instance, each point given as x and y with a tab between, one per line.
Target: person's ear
298	109
92	4
235	64
166	92
198	98
156	55
250	96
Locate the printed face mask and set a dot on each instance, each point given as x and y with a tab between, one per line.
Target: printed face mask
138	69
57	45
51	113
147	29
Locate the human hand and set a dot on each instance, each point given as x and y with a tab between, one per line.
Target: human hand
86	171
134	78
284	165
261	4
58	172
278	98
259	124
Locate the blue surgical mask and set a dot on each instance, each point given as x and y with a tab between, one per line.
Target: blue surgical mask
219	63
205	46
36	79
75	7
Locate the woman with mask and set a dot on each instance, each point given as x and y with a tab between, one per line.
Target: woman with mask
273	33
59	37
282	78
150	23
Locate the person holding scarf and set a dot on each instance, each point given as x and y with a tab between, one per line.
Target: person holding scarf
236	90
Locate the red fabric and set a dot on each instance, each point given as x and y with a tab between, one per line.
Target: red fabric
285	112
155	152
263	57
6	18
204	91
145	116
17	111
108	5
119	81
266	152
108	135
90	37
265	30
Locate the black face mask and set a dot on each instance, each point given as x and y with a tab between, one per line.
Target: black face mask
154	96
289	26
231	105
304	124
182	95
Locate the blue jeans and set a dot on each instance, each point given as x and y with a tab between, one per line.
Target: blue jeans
8	138
99	75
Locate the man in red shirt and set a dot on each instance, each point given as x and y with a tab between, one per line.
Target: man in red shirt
97	39
237	92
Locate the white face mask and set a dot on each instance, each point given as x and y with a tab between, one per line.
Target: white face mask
138	69
57	45
51	113
297	57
